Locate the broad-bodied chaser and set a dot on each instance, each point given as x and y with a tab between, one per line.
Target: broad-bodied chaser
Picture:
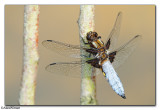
100	55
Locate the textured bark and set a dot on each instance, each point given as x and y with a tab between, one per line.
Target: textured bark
86	24
31	56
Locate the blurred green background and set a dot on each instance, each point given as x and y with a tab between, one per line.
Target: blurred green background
59	22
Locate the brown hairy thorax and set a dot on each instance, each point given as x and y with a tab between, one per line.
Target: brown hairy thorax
98	49
95	42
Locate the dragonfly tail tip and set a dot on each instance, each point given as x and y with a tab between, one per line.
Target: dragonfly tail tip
123	96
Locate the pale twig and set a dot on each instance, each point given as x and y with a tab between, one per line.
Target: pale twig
31	56
86	24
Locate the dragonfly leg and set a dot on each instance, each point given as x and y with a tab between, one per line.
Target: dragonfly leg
84	42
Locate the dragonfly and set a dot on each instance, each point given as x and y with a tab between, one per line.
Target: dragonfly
102	56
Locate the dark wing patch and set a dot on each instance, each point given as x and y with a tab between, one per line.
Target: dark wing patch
112	56
94	62
108	44
92	51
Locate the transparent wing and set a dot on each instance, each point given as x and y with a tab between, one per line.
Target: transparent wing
72	69
63	48
122	53
66	49
113	36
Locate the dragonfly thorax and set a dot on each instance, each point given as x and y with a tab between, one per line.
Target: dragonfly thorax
94	40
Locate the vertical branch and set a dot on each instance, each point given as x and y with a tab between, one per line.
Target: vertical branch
31	56
86	24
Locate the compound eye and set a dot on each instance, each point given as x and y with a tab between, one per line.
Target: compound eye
89	35
95	34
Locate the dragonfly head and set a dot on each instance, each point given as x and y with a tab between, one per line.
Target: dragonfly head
92	36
